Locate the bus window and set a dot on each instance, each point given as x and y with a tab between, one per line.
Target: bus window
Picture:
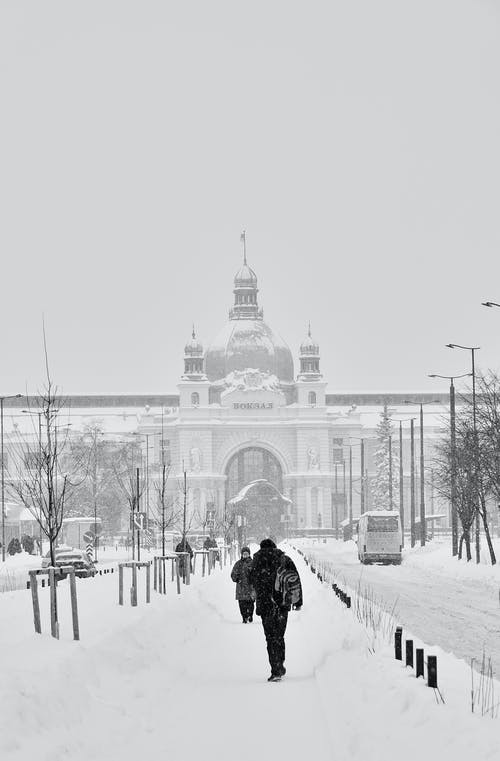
382	523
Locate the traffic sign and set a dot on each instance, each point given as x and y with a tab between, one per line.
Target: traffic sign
88	537
140	521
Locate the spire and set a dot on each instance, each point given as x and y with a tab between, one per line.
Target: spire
243	238
193	333
309	330
309	357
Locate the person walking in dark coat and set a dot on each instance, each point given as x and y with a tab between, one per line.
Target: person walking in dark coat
244	591
184	546
272	605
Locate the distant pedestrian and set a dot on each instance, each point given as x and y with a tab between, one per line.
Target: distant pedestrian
245	594
276	581
184	546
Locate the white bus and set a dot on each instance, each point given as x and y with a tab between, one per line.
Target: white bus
379	537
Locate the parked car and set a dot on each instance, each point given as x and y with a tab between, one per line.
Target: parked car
80	561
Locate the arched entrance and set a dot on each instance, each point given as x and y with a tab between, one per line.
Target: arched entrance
263	504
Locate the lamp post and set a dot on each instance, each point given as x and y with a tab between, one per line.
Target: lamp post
453	480
472	350
423	528
2	399
40	514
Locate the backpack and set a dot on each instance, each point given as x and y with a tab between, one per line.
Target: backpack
288	586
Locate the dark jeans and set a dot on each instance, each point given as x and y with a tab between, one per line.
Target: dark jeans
274	628
246	608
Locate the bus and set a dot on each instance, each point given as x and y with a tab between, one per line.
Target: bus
379	537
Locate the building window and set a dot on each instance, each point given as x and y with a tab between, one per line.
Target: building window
338	442
312	398
338	455
164	455
5	461
195	399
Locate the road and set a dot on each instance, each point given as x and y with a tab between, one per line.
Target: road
460	615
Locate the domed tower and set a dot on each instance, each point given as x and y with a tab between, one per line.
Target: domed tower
309	358
310	387
193	359
246	341
193	388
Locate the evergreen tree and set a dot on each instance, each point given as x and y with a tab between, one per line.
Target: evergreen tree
381	483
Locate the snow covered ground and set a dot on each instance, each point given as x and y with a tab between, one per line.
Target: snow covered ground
443	601
184	678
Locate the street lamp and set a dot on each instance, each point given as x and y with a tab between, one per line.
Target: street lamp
2	399
473	349
40	514
423	528
453	489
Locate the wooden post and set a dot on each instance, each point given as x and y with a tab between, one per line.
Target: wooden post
133	591
178	575
54	625
203	565
36	604
74	606
120	584
174	562
188	568
397	643
409	652
155	574
432	671
419	652
148	583
164	572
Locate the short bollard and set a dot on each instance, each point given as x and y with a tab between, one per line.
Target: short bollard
432	678
398	636
409	652
419	656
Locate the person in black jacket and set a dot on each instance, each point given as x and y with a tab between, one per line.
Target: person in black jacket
184	546
270	604
244	590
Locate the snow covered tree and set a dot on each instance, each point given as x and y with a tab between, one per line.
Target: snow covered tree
386	461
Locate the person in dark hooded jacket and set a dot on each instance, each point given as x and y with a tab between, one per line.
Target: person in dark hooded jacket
244	591
271	606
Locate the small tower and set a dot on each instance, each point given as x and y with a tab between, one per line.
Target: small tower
245	291
194	385
310	387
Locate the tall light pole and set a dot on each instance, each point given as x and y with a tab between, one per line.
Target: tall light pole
453	447
423	527
40	513
2	399
472	350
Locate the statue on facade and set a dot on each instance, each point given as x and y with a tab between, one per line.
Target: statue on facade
313	460
195	458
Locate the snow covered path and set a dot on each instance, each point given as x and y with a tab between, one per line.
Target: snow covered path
184	678
459	613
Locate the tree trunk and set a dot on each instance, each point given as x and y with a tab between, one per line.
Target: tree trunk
468	553
460	547
488	537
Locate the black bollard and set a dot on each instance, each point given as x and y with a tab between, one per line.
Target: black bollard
348	602
409	652
419	656
432	671
397	643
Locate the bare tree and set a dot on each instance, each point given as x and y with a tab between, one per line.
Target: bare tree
45	475
130	482
164	513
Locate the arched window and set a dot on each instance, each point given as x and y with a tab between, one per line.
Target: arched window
195	399
312	398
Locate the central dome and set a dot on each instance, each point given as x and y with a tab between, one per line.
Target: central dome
248	343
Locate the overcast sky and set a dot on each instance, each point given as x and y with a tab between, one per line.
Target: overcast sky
358	143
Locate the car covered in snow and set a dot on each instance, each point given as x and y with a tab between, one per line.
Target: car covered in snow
65	556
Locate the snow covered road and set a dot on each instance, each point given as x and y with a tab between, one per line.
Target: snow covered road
184	678
439	604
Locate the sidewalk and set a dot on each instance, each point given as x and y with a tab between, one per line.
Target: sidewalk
185	678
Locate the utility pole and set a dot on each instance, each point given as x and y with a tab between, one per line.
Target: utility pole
390	472
412	483
401	491
453	485
350	489
423	528
138	509
362	476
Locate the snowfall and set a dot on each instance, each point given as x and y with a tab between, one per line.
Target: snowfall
184	678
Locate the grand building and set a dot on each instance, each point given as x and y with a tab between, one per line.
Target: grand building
255	430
